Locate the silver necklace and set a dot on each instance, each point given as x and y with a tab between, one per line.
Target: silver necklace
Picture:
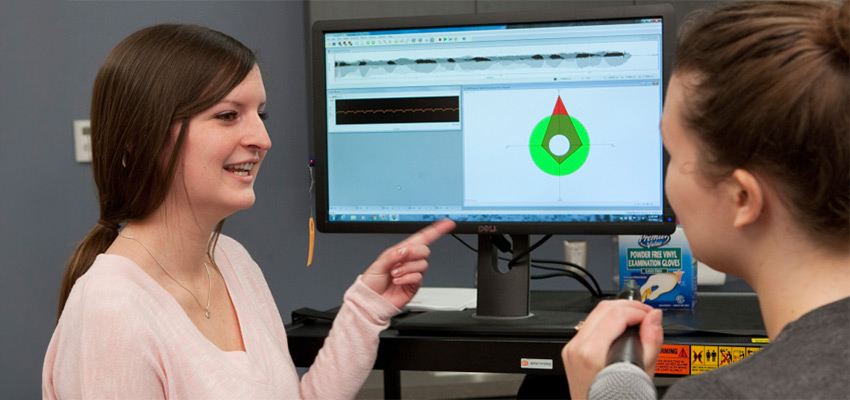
206	268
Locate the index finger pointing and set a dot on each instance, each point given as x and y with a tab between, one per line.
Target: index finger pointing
431	233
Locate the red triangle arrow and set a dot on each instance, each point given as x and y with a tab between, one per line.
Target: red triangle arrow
559	108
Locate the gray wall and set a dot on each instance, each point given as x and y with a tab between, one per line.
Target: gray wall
50	51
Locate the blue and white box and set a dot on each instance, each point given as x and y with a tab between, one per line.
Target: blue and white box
662	267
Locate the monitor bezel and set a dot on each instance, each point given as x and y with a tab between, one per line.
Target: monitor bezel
318	135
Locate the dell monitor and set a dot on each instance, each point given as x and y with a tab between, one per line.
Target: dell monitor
510	123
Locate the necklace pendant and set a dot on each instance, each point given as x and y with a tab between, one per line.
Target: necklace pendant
208	315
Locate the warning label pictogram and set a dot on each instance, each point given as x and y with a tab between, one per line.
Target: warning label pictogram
729	355
673	360
703	358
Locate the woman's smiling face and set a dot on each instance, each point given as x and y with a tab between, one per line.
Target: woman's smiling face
224	148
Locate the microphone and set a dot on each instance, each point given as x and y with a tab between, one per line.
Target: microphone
624	377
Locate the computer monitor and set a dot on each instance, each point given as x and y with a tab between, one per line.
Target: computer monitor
510	123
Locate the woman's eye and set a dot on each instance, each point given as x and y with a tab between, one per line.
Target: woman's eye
227	116
263	115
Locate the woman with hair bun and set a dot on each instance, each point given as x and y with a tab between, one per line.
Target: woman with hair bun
757	124
167	306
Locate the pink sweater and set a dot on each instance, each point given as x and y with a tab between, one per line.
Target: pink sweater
122	335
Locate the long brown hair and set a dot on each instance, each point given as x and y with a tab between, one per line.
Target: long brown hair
153	78
772	95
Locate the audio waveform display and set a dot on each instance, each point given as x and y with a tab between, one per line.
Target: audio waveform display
577	60
398	110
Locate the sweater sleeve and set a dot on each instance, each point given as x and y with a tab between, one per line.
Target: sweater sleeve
100	350
349	352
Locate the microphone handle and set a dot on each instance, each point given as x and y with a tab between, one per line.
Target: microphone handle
627	348
624	376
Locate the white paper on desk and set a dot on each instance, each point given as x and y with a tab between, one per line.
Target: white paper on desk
443	299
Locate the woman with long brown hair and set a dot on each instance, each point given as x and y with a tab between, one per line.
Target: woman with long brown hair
757	124
167	306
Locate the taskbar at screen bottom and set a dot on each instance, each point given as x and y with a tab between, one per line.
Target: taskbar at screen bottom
490	218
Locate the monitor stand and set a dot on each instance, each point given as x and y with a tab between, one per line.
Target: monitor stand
504	303
503	294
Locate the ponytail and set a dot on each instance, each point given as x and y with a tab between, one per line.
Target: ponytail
96	242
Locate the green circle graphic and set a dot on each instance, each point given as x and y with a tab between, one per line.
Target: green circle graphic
548	128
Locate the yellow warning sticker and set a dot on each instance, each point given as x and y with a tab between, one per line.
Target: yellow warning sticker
673	360
703	358
751	350
730	355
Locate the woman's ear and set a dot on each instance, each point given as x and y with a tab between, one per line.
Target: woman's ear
747	196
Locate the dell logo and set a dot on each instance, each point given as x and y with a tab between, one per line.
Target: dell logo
487	229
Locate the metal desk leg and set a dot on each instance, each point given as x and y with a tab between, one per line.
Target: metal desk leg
392	384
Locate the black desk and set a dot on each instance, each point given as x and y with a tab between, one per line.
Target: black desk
719	319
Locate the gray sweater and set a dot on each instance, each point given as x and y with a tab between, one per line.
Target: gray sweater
810	359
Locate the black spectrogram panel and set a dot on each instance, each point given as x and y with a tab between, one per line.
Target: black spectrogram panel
398	110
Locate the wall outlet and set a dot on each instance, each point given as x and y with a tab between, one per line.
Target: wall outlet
576	252
82	140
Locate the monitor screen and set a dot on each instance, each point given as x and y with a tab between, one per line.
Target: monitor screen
520	123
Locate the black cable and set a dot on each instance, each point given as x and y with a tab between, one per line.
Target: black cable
596	292
527	251
516	257
547	276
573	275
501	243
576	266
468	246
